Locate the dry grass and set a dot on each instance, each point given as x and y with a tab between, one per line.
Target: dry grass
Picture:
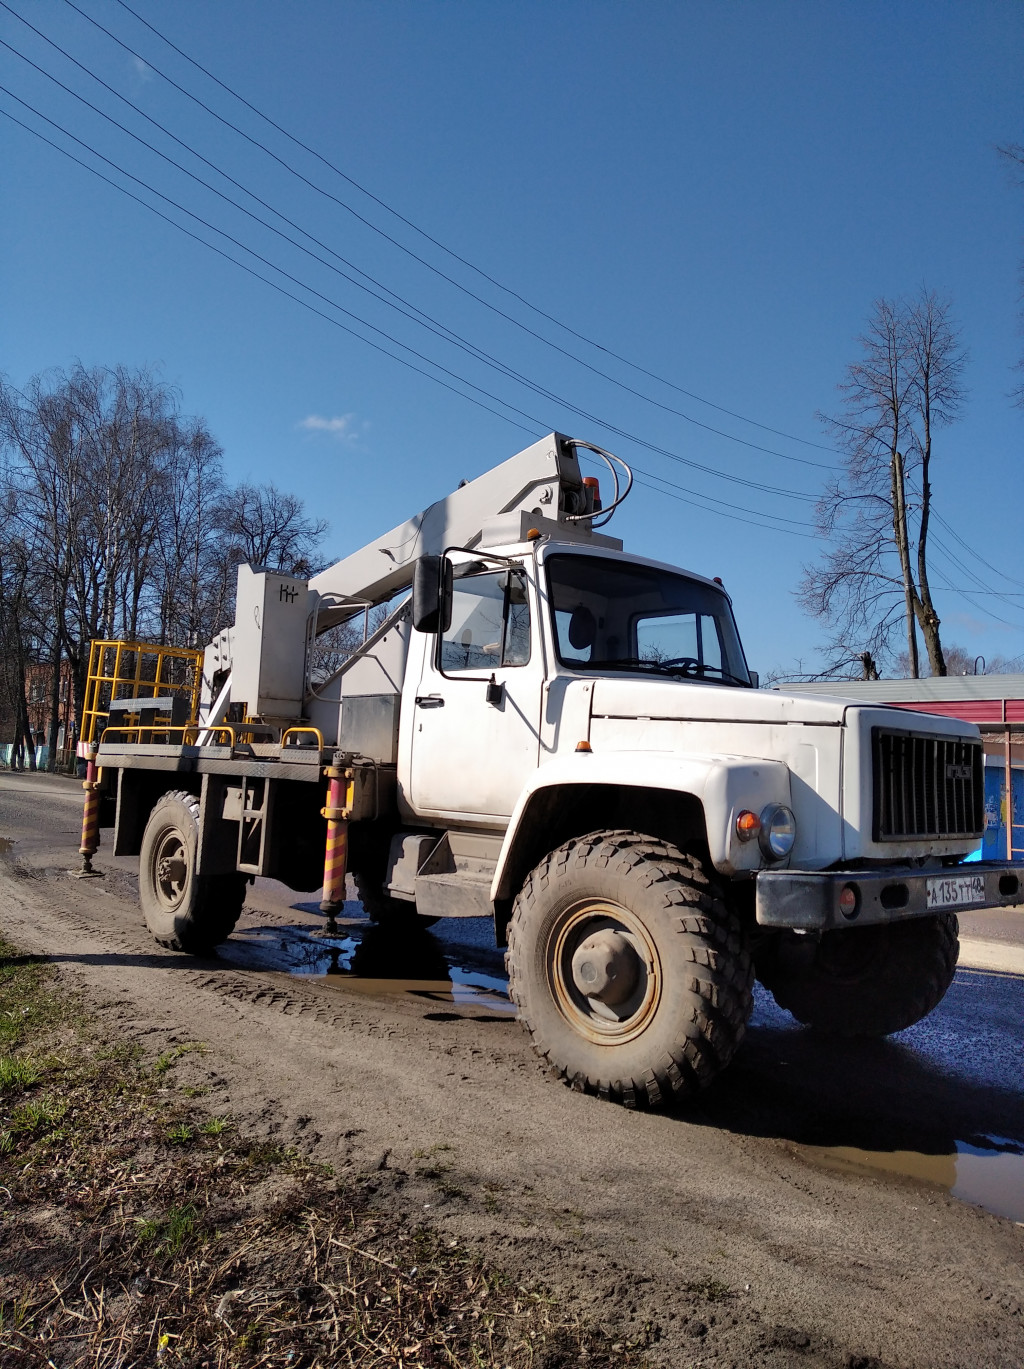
138	1232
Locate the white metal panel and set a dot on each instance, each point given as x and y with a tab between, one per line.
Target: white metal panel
269	642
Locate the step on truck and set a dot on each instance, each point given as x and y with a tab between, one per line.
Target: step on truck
534	726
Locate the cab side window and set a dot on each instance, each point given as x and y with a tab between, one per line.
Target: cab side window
490	623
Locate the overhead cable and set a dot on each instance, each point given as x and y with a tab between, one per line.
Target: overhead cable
452	339
455	256
540	426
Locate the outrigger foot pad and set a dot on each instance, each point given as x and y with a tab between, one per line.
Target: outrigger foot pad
331	930
87	872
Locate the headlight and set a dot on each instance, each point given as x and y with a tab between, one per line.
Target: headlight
778	831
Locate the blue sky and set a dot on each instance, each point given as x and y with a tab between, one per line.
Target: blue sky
716	192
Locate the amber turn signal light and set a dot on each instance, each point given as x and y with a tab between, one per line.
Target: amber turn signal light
748	825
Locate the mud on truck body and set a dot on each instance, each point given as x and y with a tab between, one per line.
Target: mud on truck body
567	739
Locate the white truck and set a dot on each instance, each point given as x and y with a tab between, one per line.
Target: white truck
567	739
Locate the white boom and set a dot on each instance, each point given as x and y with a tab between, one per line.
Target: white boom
261	659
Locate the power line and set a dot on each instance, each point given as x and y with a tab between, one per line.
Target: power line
970	595
537	431
533	432
1012	594
425	320
982	585
986	611
691	497
977	555
436	270
266	262
453	339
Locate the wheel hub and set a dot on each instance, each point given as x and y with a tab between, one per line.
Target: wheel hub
171	870
606	967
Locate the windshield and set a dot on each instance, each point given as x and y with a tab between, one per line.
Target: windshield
622	616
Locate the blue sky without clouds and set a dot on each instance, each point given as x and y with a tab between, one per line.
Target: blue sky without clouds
717	192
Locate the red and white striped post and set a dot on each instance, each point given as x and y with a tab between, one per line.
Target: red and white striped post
90	812
337	814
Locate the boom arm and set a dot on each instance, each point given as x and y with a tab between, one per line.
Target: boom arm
543	479
273	609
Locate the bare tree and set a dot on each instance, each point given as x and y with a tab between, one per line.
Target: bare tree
96	471
20	635
189	586
873	579
267	527
117	524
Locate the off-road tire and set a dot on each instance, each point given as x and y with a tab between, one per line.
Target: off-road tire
698	978
184	913
864	981
386	911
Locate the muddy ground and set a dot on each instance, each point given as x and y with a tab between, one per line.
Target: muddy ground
717	1223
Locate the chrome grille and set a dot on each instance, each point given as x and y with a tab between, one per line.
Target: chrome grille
926	786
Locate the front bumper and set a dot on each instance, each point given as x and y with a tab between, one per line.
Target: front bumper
809	899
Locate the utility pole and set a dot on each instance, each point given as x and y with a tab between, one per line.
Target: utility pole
899	515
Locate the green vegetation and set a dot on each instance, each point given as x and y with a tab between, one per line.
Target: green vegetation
17	1073
173	1239
164	1062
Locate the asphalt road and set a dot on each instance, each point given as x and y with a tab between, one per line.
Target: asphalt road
856	1199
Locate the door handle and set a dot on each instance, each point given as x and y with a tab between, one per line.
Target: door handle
429	701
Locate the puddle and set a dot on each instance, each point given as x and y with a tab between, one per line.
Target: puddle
370	960
987	1171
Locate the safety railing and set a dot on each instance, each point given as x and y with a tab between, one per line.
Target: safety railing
302	731
138	670
192	734
186	734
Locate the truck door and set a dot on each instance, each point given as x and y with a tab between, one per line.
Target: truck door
477	708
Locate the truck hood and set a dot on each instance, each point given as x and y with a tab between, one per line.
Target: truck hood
692	701
824	742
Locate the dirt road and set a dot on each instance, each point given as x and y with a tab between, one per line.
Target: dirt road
740	1228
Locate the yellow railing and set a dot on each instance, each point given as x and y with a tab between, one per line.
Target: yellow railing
186	734
138	670
302	731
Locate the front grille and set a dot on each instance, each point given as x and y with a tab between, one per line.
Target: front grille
926	786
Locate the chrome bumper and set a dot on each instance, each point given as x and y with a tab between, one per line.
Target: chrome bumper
809	899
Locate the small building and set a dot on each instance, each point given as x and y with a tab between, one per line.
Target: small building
38	704
996	704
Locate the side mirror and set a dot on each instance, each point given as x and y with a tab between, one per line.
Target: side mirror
755	679
432	594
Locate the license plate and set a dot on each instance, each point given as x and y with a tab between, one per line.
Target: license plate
955	891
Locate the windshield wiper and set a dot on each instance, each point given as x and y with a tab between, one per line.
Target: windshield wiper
676	672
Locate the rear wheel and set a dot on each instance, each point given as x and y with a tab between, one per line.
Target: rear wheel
628	968
866	981
184	912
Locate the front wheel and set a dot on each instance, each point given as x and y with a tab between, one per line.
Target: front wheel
863	981
183	911
628	968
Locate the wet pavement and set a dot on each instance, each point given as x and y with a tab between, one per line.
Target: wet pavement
433	966
941	1103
